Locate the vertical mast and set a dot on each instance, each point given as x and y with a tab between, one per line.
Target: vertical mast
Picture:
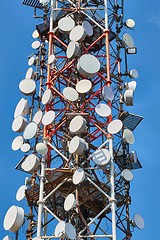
75	125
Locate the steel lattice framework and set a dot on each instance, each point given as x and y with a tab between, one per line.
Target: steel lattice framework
102	198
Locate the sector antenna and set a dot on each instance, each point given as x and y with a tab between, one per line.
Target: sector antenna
74	129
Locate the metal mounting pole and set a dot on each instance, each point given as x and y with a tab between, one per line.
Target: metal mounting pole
112	178
112	200
40	202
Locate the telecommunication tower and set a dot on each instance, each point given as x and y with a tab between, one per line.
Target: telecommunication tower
73	125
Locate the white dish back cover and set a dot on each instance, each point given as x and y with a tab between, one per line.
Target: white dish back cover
107	93
139	221
88	28
128	40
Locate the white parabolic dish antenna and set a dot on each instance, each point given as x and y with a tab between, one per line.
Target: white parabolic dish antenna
77	145
36	44
44	2
138	221
127	175
7	238
19	124
130	23
47	96
115	126
32	60
48	118
88	65
21	108
70	93
30	131
14	219
133	73
72	49
88	28
129	97
77	34
107	93
131	85
30	73
77	125
101	156
21	193
27	87
60	229
70	202
37	117
17	143
31	163
78	176
128	136
51	59
35	34
84	86
41	148
66	24
128	40
25	147
70	231
103	110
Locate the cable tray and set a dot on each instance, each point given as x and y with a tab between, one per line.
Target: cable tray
130	120
32	3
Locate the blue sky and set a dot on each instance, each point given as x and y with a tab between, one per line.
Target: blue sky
17	25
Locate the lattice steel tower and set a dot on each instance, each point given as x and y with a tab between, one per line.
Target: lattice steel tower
74	131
